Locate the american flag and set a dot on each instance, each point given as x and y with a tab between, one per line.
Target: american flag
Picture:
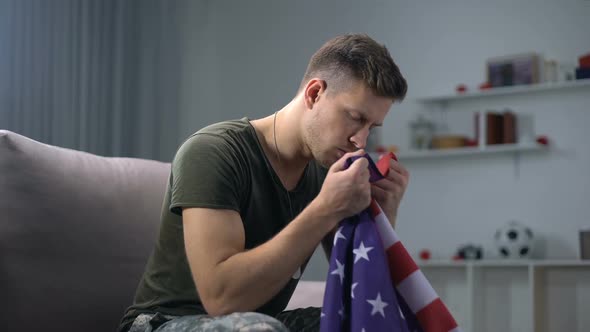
373	284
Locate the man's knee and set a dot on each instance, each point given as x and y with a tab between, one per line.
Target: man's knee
236	322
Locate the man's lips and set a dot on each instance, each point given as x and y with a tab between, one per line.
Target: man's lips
342	152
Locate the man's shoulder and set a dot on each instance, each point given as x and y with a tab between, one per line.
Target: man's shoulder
224	127
222	140
218	133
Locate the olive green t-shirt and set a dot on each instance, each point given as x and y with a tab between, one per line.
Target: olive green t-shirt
221	166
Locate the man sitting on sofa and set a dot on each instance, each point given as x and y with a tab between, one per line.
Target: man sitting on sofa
249	201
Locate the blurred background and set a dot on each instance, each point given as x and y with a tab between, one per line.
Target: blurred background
135	78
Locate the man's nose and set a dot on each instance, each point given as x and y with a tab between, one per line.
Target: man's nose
359	140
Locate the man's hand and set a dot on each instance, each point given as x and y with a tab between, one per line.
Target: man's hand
346	192
388	192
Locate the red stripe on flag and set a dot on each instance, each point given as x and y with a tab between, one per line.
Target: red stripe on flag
435	317
375	210
401	264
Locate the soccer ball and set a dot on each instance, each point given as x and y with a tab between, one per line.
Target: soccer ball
514	240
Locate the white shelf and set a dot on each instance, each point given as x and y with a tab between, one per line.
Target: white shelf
466	151
511	90
505	263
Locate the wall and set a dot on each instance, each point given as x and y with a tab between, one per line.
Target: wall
246	59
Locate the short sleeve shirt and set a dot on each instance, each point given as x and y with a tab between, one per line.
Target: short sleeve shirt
222	166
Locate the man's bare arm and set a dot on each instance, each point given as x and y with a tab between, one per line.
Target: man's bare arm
232	279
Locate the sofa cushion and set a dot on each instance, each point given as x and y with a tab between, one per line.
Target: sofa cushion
75	233
307	294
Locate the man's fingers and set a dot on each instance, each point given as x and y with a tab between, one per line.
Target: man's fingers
377	192
386	184
399	168
359	152
339	164
392	180
359	165
360	169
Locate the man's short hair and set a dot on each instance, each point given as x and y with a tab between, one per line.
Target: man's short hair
356	57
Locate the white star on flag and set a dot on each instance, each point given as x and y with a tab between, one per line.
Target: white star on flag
338	235
361	252
352	289
378	305
339	270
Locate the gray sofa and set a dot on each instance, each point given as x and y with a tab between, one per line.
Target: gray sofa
76	230
75	233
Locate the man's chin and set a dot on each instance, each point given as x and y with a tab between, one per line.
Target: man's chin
326	159
326	162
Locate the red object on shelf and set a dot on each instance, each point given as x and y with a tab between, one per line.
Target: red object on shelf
543	140
584	61
425	254
485	86
457	258
461	88
470	142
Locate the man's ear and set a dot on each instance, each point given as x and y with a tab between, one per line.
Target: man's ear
314	89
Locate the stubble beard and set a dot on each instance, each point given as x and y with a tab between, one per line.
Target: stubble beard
313	138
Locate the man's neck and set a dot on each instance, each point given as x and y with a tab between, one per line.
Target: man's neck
286	154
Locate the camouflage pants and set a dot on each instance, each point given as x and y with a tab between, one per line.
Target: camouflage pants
299	320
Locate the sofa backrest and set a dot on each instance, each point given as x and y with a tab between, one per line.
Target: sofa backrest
75	233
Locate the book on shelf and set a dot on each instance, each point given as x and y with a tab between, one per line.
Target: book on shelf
508	128
493	127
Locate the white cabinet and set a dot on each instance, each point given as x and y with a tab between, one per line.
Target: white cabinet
524	295
527	295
